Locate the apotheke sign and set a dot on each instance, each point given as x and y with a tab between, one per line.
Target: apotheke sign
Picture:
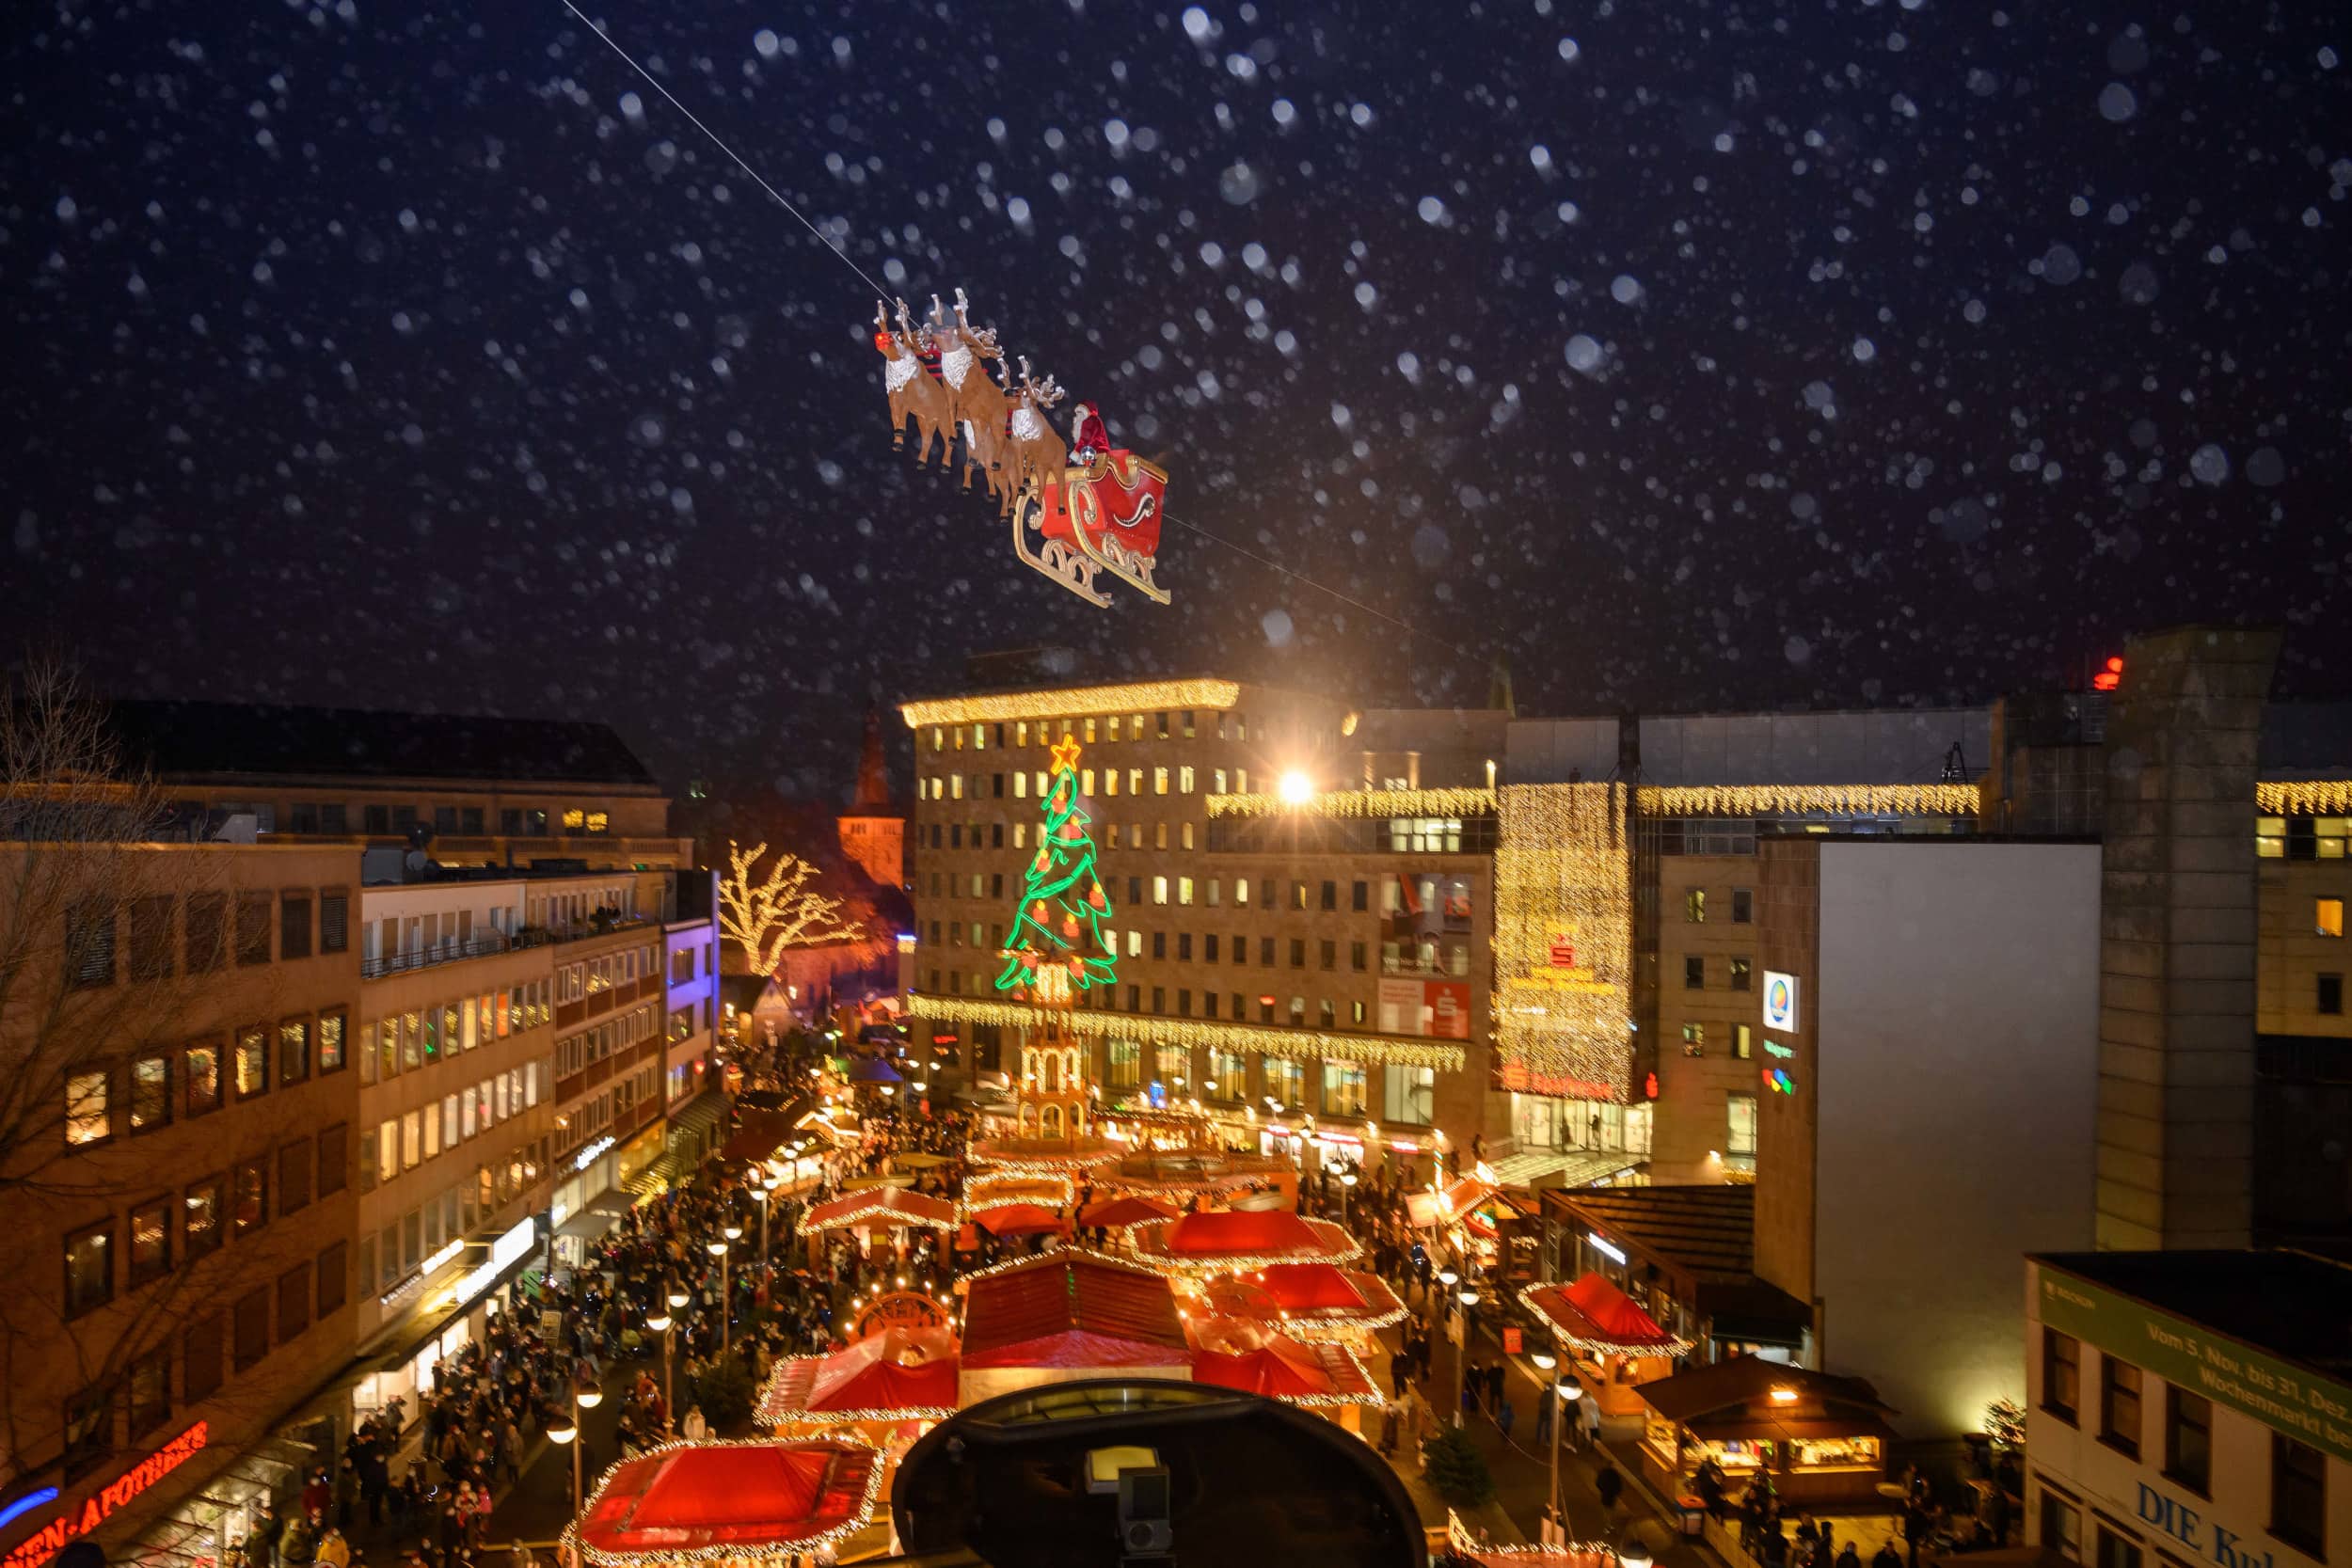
102	1504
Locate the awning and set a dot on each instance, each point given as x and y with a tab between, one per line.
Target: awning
1717	1429
600	1214
702	1113
1593	1314
439	1322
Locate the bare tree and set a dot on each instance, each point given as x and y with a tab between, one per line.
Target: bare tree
783	911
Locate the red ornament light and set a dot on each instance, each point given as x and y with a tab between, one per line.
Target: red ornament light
2110	676
1649	1086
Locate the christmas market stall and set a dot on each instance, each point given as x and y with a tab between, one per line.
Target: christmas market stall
1119	1213
1309	1301
1611	1343
890	1387
1232	1241
1323	1376
880	1208
1822	1440
1067	1316
762	1504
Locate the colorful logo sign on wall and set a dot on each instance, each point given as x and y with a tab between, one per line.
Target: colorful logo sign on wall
1449	1005
1780	999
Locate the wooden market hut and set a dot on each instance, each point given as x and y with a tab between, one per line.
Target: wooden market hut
1228	1241
1065	1316
1823	1440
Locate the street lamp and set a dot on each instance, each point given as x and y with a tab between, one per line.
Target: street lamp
1348	1199
566	1431
661	1324
719	1250
767	1276
1631	1552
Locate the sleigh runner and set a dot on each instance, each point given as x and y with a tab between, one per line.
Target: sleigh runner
1071	520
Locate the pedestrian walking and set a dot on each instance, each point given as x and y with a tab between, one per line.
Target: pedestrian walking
1611	1486
1504	1417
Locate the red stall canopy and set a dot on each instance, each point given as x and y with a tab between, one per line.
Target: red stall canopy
1593	1314
1071	1308
883	1209
1283	1369
1308	1296
1018	1219
1227	1240
1118	1212
762	1500
897	1374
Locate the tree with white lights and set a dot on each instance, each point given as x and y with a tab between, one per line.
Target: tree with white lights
783	911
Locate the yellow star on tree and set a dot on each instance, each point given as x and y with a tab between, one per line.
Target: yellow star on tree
1066	753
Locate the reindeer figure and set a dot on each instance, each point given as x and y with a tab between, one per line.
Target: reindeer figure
977	404
1033	451
912	393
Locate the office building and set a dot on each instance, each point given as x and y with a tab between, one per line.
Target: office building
2187	1408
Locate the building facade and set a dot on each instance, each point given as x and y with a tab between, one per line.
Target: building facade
178	1174
2188	1408
1278	961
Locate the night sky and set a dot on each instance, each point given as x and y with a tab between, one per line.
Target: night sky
1686	354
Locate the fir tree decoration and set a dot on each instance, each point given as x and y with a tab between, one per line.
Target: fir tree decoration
1057	944
1458	1471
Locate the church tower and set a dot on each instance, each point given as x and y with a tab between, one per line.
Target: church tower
873	837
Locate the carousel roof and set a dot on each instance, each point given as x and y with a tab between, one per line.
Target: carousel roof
1593	1314
883	1209
1229	1240
1071	1308
1309	1295
898	1374
1285	1369
749	1500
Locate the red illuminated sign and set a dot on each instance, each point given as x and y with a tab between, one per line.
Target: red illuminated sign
1563	951
101	1505
2110	676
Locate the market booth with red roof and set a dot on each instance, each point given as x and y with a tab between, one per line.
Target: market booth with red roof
1253	1357
1067	1316
1307	1301
1611	1343
1229	1241
900	1378
762	1504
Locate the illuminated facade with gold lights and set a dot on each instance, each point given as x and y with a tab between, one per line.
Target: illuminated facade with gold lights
1300	926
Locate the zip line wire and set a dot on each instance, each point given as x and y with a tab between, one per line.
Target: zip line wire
827	241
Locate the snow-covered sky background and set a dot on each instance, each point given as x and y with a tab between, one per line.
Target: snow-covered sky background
1764	352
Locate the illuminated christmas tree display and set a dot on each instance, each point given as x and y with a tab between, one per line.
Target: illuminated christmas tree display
1057	947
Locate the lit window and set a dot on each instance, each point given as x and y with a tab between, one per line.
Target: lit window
1159	781
1086	781
1694	1040
1110	782
86	1099
1694	906
1183	890
1183	780
1159	889
2328	917
955	787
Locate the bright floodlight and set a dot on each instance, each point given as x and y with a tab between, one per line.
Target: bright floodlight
659	1325
590	1398
561	1431
1296	788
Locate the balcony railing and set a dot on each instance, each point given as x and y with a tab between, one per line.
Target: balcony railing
432	954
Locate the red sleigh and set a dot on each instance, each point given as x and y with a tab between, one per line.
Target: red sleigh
1103	517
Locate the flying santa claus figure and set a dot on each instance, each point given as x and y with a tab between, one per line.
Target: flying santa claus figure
1088	440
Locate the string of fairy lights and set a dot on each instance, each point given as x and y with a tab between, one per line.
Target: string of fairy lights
1270	1039
1564	934
2304	798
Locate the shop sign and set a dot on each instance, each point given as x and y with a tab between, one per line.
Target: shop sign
590	1155
1401	1004
96	1510
899	1309
1780	1001
1513	1339
505	1252
1606	1248
1562	950
1448	1010
2309	1408
1773	1048
2225	1547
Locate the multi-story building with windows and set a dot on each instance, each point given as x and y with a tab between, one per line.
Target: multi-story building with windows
1299	970
2187	1409
317	1087
176	1167
469	791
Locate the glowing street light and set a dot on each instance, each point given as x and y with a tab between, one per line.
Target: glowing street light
1294	788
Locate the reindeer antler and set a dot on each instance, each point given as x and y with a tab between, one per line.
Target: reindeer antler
962	305
1024	371
881	317
1050	393
938	317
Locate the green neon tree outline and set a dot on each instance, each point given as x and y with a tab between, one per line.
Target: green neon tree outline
1061	881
